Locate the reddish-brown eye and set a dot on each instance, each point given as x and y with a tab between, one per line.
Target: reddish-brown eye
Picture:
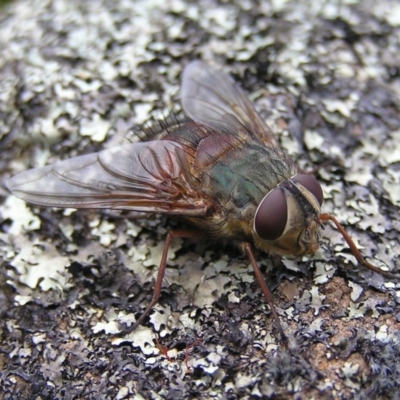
311	184
271	215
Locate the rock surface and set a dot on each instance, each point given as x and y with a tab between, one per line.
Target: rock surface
76	77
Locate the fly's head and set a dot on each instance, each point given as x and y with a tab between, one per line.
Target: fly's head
287	219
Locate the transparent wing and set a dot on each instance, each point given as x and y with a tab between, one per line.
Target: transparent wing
150	176
212	98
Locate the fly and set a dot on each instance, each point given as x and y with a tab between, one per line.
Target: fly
222	171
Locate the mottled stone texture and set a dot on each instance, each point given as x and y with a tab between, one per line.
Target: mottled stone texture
76	77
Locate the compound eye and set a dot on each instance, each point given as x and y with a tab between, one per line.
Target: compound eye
271	215
311	184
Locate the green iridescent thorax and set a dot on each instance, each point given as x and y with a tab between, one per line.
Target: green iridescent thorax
243	176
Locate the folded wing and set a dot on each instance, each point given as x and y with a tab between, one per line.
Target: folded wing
212	98
150	176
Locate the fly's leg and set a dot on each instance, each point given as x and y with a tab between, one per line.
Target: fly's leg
353	247
161	272
264	288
